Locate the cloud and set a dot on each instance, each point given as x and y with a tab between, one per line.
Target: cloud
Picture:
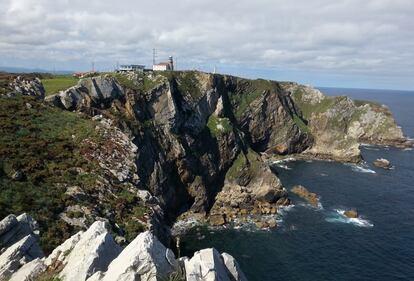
348	36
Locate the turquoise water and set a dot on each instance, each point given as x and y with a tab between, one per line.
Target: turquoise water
321	244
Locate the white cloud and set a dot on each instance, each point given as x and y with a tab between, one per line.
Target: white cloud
371	36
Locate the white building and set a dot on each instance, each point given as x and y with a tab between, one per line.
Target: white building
164	66
130	68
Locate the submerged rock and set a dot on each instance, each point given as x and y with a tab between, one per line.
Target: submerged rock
311	197
382	163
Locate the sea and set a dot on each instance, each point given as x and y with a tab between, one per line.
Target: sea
321	243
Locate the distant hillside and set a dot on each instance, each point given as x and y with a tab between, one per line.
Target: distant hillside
31	70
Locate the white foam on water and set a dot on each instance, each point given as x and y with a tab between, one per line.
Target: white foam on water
372	148
323	175
408	149
338	216
282	163
283	167
310	206
360	169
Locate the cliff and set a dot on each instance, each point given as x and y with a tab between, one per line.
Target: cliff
140	150
339	124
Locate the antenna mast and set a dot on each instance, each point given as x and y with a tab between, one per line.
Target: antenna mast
154	55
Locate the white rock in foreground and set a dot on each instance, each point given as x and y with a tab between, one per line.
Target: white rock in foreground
94	251
29	271
206	265
17	255
233	267
145	258
60	254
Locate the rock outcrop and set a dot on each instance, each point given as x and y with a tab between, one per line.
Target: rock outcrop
94	256
382	163
96	92
18	243
339	124
209	265
311	197
352	214
27	86
145	258
93	252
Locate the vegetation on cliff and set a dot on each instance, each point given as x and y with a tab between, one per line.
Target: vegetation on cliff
42	154
57	83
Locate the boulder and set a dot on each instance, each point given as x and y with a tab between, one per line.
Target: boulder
233	267
13	229
352	214
302	192
29	271
93	252
206	265
382	163
145	258
217	219
20	253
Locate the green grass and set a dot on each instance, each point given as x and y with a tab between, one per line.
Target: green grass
143	83
243	97
38	142
364	102
302	126
307	108
219	126
46	144
244	163
58	83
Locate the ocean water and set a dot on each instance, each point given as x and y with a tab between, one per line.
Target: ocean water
321	244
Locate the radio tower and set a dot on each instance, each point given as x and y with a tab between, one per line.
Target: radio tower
154	55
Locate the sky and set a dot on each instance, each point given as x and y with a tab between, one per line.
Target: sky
342	43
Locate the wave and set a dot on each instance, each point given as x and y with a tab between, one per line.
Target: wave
372	148
360	169
281	163
310	206
338	216
286	167
289	159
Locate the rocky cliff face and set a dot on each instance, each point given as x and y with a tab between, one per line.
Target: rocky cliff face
198	135
339	125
